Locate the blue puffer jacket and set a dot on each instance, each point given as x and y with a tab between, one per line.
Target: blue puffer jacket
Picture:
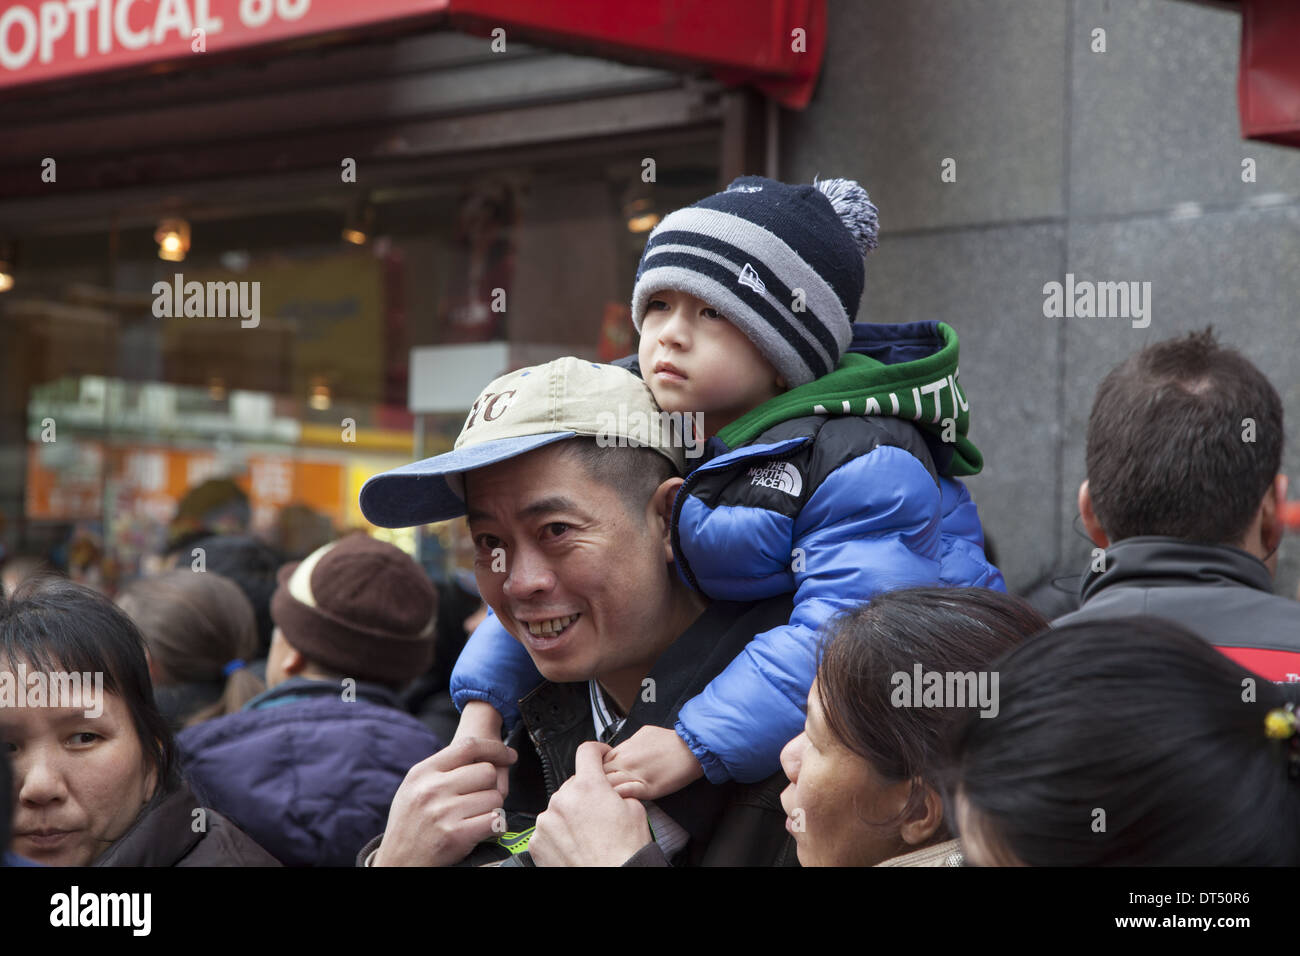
305	773
826	502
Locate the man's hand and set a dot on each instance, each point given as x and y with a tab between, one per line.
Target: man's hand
480	719
652	763
586	822
446	805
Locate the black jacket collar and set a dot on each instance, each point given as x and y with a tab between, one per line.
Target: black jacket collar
557	717
1153	561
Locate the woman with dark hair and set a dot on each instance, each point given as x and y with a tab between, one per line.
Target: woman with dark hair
895	677
94	761
1131	742
200	632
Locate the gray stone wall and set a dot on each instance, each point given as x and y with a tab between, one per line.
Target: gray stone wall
1123	165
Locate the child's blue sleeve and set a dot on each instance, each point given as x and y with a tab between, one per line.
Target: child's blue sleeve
872	525
965	565
493	667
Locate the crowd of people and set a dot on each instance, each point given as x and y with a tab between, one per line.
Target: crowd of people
768	634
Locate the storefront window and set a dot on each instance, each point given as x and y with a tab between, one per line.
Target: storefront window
255	380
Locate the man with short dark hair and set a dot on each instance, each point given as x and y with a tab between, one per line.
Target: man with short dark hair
572	532
1184	493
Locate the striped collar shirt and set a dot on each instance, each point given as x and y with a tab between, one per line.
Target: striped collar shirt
666	832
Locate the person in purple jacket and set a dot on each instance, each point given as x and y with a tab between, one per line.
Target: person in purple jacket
310	766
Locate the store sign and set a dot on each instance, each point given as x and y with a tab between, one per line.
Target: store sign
776	46
57	38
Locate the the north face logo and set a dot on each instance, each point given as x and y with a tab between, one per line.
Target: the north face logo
750	278
780	475
745	189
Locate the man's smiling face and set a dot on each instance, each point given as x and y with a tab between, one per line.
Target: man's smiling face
586	584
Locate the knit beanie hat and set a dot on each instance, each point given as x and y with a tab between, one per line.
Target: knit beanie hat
360	608
782	262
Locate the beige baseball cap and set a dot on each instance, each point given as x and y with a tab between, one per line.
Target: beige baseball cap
518	413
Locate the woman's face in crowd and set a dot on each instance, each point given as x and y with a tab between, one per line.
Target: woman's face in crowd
837	803
80	782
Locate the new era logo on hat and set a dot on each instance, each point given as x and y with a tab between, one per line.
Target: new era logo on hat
516	414
750	278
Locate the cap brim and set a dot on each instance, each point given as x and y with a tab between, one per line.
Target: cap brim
419	493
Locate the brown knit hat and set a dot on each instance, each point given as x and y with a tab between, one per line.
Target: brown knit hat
360	608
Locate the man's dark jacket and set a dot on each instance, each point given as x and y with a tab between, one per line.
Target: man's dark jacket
730	824
1221	593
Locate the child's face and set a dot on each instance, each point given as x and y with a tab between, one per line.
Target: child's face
694	360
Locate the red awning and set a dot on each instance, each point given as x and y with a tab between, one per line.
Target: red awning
1268	85
777	45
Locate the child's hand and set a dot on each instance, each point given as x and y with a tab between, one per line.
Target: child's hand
480	719
653	763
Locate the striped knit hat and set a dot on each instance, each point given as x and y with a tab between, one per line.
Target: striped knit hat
782	262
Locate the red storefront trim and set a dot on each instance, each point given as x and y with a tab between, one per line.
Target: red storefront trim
775	45
1268	86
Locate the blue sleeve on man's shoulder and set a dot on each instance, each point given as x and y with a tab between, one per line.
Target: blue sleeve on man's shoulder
495	668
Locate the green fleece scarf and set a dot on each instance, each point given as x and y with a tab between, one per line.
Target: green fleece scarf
925	392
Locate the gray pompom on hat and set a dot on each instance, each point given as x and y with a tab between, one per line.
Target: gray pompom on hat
782	262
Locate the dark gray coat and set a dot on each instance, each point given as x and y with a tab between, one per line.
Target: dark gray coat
165	834
1221	593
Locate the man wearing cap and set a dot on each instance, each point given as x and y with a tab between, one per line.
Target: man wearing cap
571	511
311	765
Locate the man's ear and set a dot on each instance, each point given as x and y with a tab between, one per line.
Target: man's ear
1270	514
293	662
1090	522
925	819
660	513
